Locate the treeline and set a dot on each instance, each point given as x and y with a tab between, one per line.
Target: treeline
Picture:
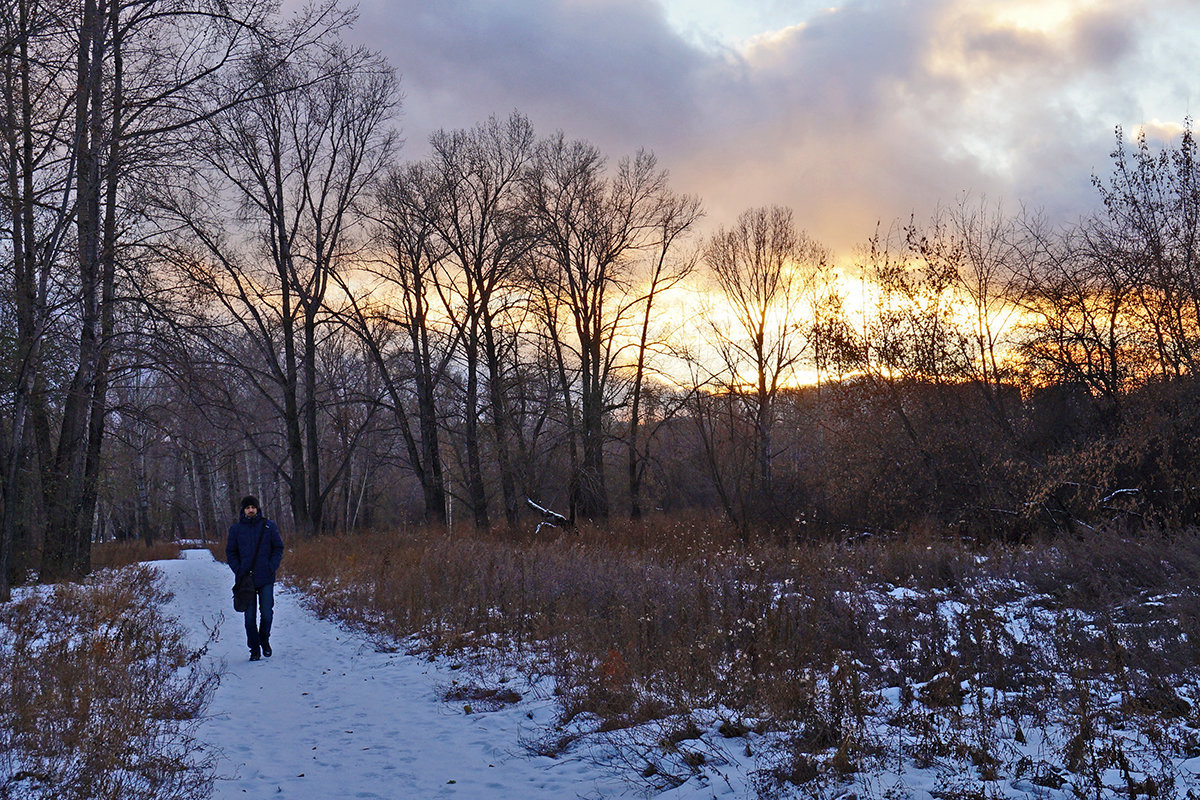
221	277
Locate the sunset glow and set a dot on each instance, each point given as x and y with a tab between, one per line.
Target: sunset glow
1041	16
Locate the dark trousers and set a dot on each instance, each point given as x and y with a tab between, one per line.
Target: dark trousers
264	602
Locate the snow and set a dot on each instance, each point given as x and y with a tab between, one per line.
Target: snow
335	715
329	716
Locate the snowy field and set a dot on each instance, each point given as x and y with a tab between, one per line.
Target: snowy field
334	715
329	717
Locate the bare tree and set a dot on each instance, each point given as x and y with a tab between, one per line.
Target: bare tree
590	230
35	215
409	264
764	269
295	160
1150	233
1078	313
479	220
666	269
93	94
976	248
1114	302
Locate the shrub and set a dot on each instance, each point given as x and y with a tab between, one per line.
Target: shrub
100	695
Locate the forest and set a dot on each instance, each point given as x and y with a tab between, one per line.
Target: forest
222	275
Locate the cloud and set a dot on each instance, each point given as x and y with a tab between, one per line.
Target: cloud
1156	130
612	71
869	111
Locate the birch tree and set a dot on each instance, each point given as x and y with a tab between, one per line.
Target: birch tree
95	95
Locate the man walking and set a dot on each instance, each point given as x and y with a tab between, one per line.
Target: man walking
254	545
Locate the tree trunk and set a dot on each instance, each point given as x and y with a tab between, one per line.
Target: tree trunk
98	411
432	481
18	106
316	498
65	482
593	488
564	385
500	424
477	493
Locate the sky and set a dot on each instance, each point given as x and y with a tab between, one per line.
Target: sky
851	112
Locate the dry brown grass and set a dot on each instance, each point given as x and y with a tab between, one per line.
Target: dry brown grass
110	555
653	621
690	623
100	694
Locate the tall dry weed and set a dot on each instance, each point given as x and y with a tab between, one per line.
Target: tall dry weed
655	621
100	695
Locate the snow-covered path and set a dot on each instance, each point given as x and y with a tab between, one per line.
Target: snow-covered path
328	717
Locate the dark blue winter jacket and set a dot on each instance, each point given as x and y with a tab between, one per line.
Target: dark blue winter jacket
239	548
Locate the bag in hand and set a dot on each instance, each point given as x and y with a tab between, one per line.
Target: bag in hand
244	591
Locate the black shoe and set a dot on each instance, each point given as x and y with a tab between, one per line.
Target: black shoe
255	654
266	648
